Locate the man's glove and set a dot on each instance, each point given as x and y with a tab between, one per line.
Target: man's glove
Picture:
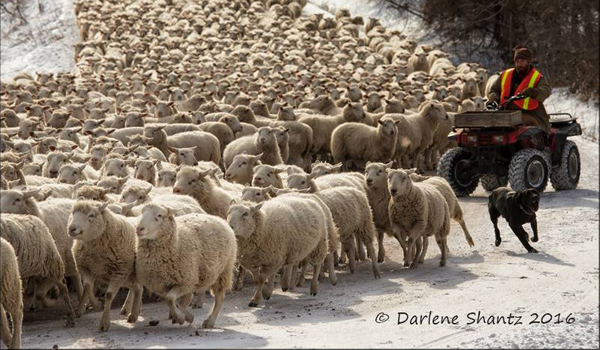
491	105
530	92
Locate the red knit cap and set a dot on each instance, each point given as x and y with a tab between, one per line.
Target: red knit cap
523	53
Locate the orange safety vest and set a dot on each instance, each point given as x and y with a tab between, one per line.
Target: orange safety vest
530	81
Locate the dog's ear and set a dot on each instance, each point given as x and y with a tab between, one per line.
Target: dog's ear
519	197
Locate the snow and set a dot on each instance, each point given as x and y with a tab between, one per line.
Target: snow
562	278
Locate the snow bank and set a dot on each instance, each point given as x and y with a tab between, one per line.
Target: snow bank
44	43
588	113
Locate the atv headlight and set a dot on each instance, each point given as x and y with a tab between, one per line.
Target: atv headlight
498	139
472	138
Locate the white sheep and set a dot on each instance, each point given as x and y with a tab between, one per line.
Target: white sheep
264	142
278	233
355	141
37	256
417	211
241	168
54	213
178	256
199	185
145	170
104	250
11	298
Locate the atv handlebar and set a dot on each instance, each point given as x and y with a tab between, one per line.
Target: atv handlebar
495	106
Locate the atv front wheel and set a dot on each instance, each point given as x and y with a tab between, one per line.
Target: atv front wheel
566	176
454	166
490	182
529	169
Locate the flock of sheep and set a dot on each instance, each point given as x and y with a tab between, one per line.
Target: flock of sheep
197	140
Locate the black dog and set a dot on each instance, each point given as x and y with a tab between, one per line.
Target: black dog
517	208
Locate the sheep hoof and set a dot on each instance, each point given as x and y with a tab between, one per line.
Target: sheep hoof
414	265
69	322
189	318
380	259
443	263
208	324
253	304
131	318
285	289
313	294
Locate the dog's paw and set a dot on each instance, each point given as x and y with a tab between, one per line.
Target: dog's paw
535	239
533	250
498	241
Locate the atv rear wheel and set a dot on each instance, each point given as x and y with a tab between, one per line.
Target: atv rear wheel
529	169
454	166
566	176
490	182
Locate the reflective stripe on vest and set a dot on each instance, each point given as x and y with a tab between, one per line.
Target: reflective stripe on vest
530	85
530	81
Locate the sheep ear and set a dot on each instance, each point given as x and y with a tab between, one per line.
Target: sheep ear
257	207
159	165
389	165
126	208
289	171
123	180
148	189
380	122
337	167
232	202
30	193
103	206
411	171
82	167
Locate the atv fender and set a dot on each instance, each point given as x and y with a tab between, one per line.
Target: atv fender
560	138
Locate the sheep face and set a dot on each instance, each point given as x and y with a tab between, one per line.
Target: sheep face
134	119
319	102
436	111
144	170
152	218
70	174
186	156
98	153
192	181
10	171
54	162
286	113
241	219
14	202
387	127
112	184
299	181
394	106
94	193
33	169
241	164
115	167
58	120
70	134
47	144
282	136
399	182
375	174
26	129
266	136
198	118
166	178
86	221
321	168
135	194
266	175
255	194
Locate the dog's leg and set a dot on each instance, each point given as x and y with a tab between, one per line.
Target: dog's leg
523	237
535	231
494	215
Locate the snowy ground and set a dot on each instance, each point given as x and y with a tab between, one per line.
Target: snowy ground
562	279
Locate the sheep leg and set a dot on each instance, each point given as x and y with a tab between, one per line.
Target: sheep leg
238	283
332	275
128	304
371	250
350	248
261	279
268	289
314	286
5	334
183	307
177	315
424	251
403	244
198	299
285	279
340	258
217	305
109	296
293	277
42	285
360	249
442	243
87	291
138	290
381	253
302	275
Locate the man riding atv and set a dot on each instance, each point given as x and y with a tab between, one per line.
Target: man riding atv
527	81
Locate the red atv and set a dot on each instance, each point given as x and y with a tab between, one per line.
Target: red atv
495	148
